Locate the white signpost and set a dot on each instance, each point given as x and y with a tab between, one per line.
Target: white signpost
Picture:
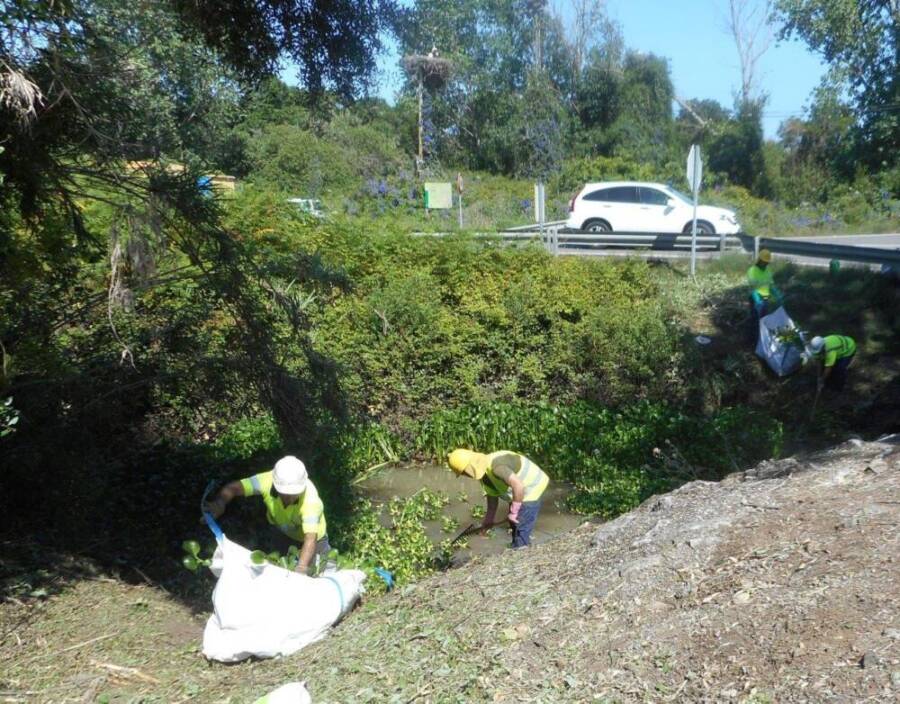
539	205
459	189
694	176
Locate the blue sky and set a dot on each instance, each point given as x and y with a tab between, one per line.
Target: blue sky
702	57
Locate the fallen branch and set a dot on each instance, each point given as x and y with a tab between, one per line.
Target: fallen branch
125	671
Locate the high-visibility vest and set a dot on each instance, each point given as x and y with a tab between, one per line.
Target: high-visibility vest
305	516
760	280
532	476
837	347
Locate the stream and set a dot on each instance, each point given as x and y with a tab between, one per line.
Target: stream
389	482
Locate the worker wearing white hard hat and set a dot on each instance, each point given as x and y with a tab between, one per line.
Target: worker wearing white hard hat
292	505
835	354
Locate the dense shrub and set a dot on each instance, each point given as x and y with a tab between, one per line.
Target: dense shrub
615	459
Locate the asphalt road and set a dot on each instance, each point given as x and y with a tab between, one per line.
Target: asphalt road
889	241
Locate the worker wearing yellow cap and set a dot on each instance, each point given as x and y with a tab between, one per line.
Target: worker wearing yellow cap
508	476
763	292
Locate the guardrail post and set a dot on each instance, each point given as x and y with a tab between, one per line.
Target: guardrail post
756	249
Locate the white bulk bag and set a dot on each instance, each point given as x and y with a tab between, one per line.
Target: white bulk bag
266	610
782	358
290	693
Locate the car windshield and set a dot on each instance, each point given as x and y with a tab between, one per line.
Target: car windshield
679	194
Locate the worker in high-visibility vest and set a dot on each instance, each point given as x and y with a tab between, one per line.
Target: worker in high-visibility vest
835	354
292	505
764	295
508	476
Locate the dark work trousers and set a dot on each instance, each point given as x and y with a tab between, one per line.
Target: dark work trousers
521	533
839	372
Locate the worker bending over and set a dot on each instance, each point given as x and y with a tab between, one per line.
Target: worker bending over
508	476
835	354
292	505
763	292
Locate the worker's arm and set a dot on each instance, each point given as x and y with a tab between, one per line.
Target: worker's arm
231	490
307	552
777	294
490	512
518	489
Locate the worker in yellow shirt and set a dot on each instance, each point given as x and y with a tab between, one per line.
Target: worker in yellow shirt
508	476
835	353
764	295
292	505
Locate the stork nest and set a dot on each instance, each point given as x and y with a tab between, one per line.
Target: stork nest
434	70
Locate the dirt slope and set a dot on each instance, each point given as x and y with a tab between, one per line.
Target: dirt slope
781	584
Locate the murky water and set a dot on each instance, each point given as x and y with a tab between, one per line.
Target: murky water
464	494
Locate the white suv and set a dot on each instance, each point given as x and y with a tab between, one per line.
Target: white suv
633	206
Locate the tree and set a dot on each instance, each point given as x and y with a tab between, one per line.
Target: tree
748	24
89	239
860	40
333	43
737	150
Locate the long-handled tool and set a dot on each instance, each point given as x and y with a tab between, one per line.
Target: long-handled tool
475	528
812	413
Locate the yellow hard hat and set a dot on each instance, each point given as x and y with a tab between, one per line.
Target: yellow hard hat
468	462
765	255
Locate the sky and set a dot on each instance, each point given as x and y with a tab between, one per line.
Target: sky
703	60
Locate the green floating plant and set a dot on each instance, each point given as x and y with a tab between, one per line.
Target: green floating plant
192	560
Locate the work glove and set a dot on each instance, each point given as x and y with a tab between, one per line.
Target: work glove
514	512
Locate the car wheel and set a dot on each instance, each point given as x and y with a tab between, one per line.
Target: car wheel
596	226
703	228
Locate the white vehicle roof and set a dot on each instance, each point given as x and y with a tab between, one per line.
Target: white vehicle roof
610	184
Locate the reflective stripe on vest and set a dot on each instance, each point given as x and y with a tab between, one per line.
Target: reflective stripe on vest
533	478
840	346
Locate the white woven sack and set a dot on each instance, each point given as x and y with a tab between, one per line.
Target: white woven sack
266	610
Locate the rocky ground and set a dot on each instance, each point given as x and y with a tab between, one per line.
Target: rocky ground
781	584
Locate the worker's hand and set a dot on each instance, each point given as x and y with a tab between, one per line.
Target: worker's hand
514	512
216	507
301	569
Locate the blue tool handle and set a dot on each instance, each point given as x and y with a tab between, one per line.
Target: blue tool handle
207	516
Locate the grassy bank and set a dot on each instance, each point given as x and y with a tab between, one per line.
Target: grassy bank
410	346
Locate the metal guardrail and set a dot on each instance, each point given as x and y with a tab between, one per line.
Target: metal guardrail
819	250
564	240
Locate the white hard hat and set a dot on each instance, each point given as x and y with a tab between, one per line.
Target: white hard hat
289	476
817	344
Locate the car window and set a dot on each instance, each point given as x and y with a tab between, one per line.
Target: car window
602	194
623	194
650	196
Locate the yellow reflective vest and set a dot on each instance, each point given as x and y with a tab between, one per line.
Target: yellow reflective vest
532	476
760	280
305	516
837	347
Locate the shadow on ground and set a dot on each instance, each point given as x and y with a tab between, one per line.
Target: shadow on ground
856	302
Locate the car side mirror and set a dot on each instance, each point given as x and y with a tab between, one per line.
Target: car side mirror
670	202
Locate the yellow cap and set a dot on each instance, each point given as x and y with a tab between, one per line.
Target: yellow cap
468	462
765	255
